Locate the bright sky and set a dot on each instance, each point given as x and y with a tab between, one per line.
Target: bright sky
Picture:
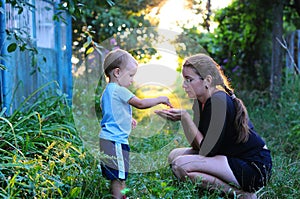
173	11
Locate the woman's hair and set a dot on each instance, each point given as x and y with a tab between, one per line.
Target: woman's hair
205	65
116	59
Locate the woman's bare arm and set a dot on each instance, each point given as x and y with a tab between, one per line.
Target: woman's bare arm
192	134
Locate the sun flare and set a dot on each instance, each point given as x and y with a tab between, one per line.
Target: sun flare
172	15
175	13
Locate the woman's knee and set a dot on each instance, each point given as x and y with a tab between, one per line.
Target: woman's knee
179	152
174	154
171	156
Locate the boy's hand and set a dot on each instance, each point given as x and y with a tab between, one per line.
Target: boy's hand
133	123
166	101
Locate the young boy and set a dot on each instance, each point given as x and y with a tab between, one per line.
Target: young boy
116	124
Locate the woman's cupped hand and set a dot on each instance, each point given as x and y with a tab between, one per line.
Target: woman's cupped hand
171	114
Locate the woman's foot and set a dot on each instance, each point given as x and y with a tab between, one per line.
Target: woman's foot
247	196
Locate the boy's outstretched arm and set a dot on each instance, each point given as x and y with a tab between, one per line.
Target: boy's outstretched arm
149	102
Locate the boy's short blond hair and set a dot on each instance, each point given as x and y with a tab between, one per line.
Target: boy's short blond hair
116	59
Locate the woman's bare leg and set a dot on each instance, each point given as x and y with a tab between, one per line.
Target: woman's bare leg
179	152
215	172
216	166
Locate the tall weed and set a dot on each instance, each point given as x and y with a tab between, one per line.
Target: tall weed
42	156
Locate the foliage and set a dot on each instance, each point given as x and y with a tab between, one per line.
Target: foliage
43	156
241	43
19	38
242	29
291	19
280	128
99	20
121	25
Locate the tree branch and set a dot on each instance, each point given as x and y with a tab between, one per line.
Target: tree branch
284	45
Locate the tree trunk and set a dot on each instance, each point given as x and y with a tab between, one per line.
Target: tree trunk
208	14
297	6
276	70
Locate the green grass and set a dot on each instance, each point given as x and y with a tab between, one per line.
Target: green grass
43	156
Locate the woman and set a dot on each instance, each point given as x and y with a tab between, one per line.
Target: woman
226	152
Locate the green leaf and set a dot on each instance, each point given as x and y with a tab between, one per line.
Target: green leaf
55	18
20	10
75	192
90	50
2	67
88	42
12	47
23	47
48	8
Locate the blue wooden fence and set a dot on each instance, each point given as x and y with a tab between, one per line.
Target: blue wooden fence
293	52
26	72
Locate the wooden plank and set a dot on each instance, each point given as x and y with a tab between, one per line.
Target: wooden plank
48	70
290	53
298	50
3	53
68	57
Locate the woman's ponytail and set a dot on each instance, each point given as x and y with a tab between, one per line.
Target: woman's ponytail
241	117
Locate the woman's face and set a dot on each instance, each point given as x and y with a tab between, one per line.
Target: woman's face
193	83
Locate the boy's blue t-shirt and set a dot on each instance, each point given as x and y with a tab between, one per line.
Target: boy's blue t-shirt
116	113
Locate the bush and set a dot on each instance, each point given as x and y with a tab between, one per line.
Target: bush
43	157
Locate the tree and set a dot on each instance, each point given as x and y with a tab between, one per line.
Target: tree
277	32
246	41
239	43
296	5
100	21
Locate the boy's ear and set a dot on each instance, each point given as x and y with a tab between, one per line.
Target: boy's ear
116	72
